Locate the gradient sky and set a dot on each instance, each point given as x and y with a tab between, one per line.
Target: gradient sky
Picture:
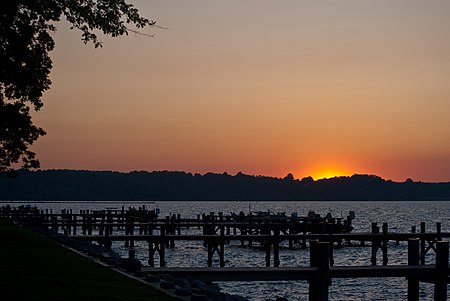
317	88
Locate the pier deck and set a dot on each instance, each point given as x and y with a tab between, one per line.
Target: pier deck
291	273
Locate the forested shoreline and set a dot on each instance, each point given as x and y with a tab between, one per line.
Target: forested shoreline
175	185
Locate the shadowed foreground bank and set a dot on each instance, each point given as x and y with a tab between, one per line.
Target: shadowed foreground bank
34	267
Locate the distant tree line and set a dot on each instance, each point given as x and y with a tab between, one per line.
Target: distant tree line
174	185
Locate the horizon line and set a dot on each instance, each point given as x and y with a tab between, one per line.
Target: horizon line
236	174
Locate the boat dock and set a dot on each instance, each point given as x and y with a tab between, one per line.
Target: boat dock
268	231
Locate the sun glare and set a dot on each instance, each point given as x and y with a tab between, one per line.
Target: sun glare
328	174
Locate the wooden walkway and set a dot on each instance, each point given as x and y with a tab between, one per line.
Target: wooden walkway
321	235
320	274
291	273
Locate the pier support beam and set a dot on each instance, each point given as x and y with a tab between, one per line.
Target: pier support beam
413	259
422	244
320	258
375	244
384	244
217	245
440	285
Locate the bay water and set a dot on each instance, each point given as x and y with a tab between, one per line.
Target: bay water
400	216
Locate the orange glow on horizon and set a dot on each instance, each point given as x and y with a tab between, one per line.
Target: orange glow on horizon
327	170
328	174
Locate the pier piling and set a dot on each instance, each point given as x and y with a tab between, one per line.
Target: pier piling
319	258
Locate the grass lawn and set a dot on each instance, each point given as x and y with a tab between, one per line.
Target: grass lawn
34	267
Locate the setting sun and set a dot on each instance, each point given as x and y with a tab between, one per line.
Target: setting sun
327	170
328	173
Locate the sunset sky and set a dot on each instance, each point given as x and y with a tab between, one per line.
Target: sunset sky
318	88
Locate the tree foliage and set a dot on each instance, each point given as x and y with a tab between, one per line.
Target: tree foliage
173	185
26	38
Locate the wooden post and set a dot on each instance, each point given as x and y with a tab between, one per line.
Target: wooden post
205	228
227	231
100	229
291	242
438	230
222	246
375	244
131	253
167	230
319	258
331	253
89	222
210	253
54	223
385	243
151	254
413	259
179	224
267	246
243	231
276	248
110	221
162	253
304	239
440	285
422	244
313	263
127	229
172	231
141	227
131	232
107	241
74	220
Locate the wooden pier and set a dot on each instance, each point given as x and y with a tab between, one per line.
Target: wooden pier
320	274
269	231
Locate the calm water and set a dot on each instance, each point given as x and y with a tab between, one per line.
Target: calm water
400	216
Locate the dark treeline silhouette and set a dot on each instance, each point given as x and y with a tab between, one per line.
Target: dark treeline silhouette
174	185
